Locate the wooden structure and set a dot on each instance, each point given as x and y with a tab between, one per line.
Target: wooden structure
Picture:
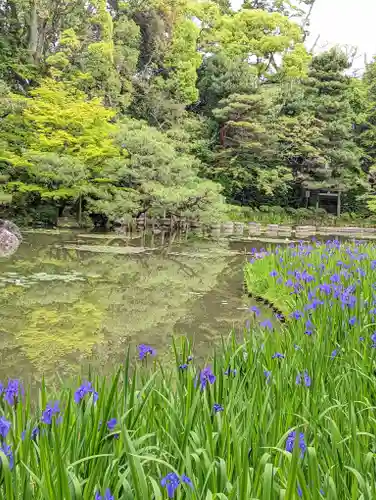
322	198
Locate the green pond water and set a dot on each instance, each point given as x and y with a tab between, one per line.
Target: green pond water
69	299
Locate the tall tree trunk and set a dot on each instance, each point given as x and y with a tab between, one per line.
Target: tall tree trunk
33	30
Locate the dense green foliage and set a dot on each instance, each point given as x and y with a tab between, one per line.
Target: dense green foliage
269	214
113	109
286	412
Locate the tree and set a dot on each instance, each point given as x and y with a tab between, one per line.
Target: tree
367	128
165	179
247	161
302	9
262	39
169	57
220	76
66	138
323	123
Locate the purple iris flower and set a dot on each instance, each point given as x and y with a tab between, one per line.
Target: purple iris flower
111	424
316	303
352	321
325	288
184	366
335	278
305	377
51	411
309	324
13	392
217	407
268	375
83	390
5	426
296	315
290	443
255	310
274	273
206	375
34	434
144	350
186	480
7	450
373	338
334	354
278	355
107	495
267	324
171	482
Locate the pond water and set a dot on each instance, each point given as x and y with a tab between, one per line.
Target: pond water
69	299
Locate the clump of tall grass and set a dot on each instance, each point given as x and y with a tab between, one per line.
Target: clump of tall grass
288	412
267	419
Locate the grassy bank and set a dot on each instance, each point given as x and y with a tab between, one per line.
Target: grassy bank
301	276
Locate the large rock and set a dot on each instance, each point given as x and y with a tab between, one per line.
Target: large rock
10	238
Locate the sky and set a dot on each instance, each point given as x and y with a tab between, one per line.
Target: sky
345	22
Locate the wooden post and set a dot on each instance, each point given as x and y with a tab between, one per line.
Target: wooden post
80	210
339	205
307	195
318	202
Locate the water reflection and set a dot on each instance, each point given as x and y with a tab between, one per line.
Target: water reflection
67	298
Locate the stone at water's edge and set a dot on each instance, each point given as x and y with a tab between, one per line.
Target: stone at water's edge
10	238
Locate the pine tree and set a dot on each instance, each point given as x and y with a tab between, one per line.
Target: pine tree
220	76
247	161
316	127
367	136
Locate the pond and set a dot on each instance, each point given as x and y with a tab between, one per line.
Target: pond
69	299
